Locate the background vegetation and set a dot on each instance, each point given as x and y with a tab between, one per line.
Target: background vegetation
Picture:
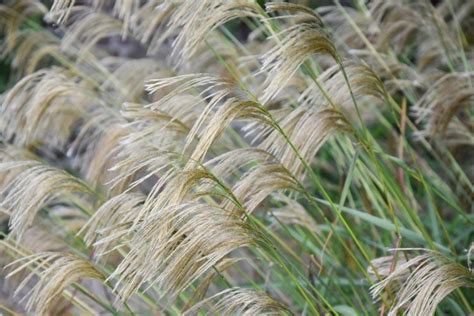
236	157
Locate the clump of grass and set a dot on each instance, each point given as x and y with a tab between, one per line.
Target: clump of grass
309	161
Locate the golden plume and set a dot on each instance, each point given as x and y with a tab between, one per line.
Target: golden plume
241	301
56	272
35	187
419	284
179	244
